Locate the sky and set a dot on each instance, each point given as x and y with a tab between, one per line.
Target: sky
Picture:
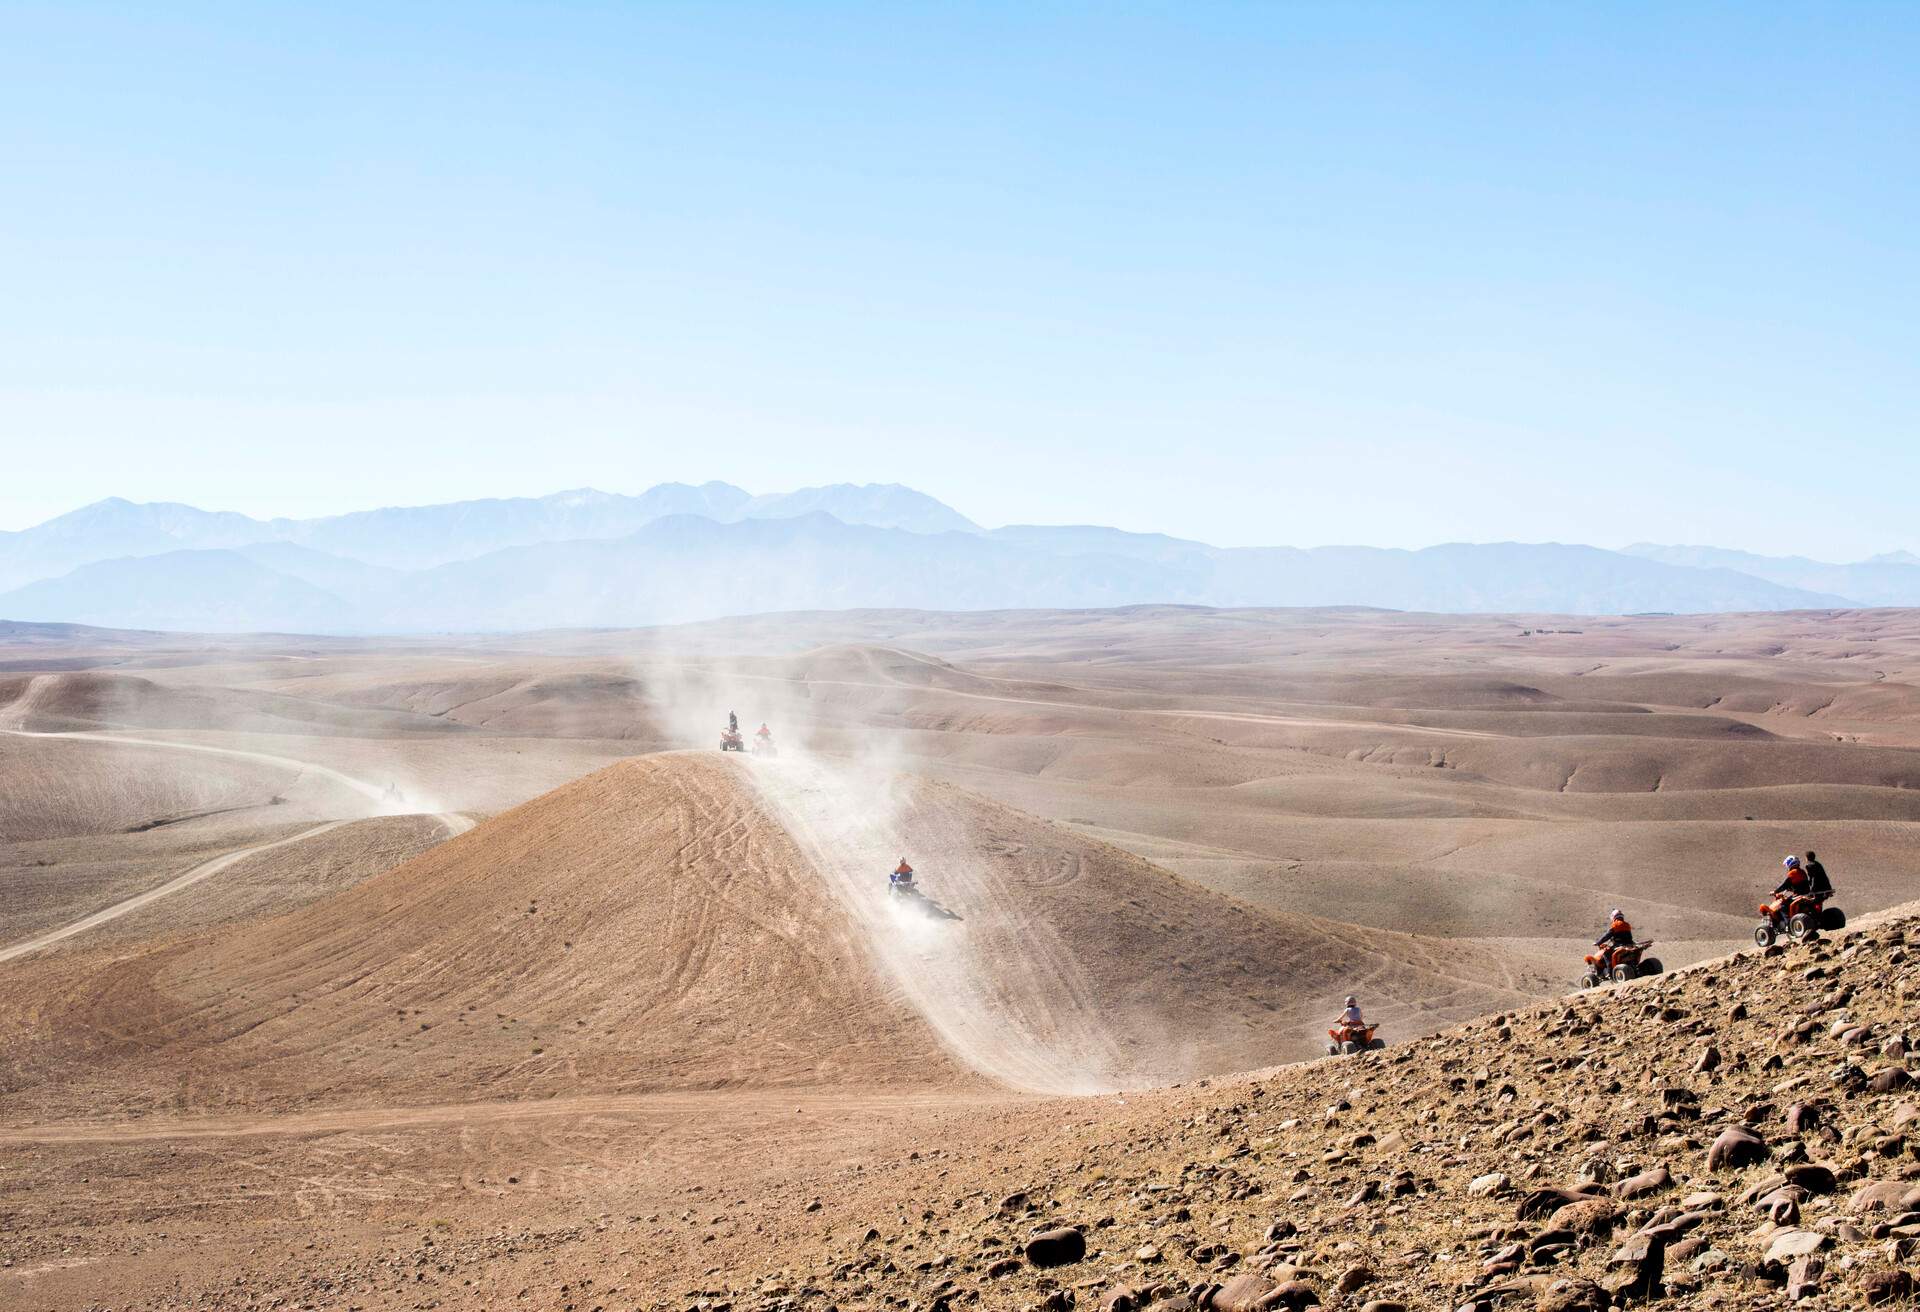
1250	273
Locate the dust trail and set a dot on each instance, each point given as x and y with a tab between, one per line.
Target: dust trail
205	870
997	985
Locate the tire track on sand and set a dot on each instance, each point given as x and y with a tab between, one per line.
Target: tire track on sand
1021	1016
15	715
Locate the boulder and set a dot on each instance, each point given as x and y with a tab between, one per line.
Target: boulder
1243	1293
1573	1295
1646	1182
1542	1201
1888	1080
1790	1244
1890	1195
1639	1264
1590	1216
1812	1177
1353	1278
1736	1147
1057	1247
1487	1185
1803	1277
1893	1286
1291	1294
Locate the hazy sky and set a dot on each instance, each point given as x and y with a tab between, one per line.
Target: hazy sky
1255	273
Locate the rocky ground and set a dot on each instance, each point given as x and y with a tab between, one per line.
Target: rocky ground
1742	1134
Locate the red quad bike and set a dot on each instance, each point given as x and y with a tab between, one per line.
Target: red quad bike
763	745
731	741
1800	916
1620	964
1349	1039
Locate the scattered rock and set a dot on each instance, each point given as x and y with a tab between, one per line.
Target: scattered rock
1736	1147
1789	1244
1485	1186
1244	1293
1895	1286
1058	1247
1353	1278
1646	1182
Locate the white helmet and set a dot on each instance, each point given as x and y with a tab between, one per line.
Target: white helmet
1791	863
1352	1001
1615	914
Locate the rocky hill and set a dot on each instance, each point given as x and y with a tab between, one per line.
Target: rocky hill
1741	1134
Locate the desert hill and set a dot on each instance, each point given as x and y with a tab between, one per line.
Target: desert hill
689	921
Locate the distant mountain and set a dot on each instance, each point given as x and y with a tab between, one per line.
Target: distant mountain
880	505
688	567
419	537
112	528
1092	540
1892	579
217	591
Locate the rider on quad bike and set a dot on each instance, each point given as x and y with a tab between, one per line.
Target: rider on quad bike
1798	904
1617	936
1351	1033
762	741
900	882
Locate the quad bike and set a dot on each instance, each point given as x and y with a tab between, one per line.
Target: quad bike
763	746
902	888
731	741
1619	964
1348	1039
1800	916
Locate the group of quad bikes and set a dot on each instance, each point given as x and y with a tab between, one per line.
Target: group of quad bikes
732	740
1796	915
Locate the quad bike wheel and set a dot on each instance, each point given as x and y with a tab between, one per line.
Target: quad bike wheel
1333	1050
1801	928
1764	936
1651	966
1622	973
1374	1045
1589	981
1350	1046
1832	918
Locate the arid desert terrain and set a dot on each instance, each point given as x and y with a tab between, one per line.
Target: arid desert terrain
468	973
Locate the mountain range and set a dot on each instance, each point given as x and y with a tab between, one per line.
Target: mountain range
677	552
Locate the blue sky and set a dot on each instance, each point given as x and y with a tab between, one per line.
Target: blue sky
1256	273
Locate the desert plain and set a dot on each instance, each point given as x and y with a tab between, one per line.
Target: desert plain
468	972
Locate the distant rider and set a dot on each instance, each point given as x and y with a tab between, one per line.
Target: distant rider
1618	935
902	876
763	733
1351	1017
733	723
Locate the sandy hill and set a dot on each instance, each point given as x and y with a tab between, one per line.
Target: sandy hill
646	927
690	921
83	702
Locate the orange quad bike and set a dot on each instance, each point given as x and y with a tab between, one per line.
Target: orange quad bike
1619	964
731	741
1799	916
1348	1039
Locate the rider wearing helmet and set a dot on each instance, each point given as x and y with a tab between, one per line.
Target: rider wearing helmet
1618	935
763	731
902	876
1795	881
1351	1016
